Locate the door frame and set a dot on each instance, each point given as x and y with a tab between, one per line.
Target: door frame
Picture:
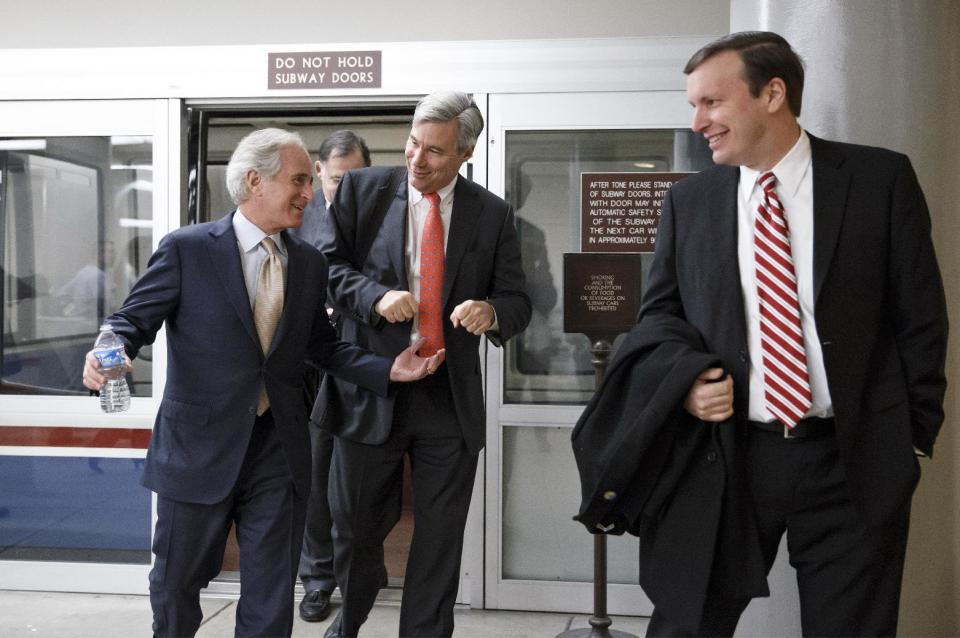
161	120
575	112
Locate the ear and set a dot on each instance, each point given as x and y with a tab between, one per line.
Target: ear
253	181
318	167
776	94
468	154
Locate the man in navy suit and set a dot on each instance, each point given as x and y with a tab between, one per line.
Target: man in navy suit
807	268
340	152
221	452
376	245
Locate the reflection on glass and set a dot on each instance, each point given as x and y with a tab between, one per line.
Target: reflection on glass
74	509
544	365
76	229
541	493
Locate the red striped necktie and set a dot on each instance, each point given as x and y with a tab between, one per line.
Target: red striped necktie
431	279
785	378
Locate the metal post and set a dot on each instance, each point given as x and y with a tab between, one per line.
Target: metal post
600	622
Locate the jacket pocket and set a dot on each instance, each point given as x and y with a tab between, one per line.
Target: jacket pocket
886	393
183	412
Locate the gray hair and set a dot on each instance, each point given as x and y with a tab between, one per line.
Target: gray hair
444	106
259	151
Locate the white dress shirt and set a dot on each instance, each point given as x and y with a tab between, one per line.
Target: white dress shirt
795	189
252	254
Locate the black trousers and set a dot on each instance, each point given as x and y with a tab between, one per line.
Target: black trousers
316	559
365	489
848	574
190	538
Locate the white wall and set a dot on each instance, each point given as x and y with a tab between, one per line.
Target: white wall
108	23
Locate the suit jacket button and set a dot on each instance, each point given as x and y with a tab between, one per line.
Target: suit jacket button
609	495
743	356
252	410
712	456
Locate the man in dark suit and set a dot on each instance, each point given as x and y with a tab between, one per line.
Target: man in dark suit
389	231
340	152
230	443
807	267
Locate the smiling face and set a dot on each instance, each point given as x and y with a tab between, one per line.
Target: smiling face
736	124
432	157
277	203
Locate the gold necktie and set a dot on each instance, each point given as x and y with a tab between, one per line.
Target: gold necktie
268	305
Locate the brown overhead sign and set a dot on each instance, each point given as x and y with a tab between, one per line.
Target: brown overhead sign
620	212
324	70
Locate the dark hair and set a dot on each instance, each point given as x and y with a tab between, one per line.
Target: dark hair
340	143
766	55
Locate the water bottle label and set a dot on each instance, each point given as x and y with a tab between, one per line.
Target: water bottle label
109	358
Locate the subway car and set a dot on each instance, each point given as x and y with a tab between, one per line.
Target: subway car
103	151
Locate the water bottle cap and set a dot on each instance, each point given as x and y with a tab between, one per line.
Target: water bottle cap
105	326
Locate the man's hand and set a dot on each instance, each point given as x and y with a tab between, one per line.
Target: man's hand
92	377
397	306
409	366
711	396
475	316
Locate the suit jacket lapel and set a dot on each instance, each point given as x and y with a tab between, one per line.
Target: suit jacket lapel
395	229
463	225
226	261
831	181
296	267
724	206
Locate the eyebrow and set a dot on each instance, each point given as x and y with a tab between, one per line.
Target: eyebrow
433	147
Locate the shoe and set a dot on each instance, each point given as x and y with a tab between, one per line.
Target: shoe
333	631
315	606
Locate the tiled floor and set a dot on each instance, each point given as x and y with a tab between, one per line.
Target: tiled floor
40	614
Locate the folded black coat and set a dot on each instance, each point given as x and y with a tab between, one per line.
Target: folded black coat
649	468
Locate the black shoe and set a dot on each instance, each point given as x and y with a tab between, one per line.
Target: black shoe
315	606
333	631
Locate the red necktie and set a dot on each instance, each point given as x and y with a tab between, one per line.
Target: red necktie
431	279
785	378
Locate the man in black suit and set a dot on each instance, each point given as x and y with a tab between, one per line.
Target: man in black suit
385	284
243	304
808	269
340	152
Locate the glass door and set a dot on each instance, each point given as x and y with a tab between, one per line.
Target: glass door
83	200
537	557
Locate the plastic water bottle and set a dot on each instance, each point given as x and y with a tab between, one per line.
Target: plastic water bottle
108	349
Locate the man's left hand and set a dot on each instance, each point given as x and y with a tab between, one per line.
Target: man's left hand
409	366
475	316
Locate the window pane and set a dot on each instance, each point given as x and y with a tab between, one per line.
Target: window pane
544	365
74	509
76	223
541	493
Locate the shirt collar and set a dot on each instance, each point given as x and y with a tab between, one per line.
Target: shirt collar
789	170
445	193
249	234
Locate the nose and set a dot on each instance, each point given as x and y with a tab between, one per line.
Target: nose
307	191
417	155
700	120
